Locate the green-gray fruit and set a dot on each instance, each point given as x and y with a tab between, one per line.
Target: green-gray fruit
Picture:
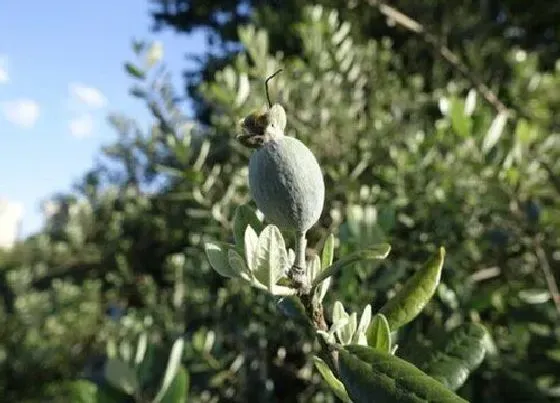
287	184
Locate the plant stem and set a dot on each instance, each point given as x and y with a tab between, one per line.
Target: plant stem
414	26
313	306
298	272
301	244
549	277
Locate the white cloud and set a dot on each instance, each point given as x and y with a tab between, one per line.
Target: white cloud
4	76
81	126
21	112
89	96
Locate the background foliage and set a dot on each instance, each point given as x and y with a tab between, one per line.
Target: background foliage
412	155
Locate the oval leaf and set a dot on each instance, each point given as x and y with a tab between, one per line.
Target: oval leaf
378	252
336	386
217	254
371	375
495	132
415	294
460	121
534	296
134	71
470	102
379	334
272	258
238	265
461	353
141	348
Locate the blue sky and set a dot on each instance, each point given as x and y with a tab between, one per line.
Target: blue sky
60	76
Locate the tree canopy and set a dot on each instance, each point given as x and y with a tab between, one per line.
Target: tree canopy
414	153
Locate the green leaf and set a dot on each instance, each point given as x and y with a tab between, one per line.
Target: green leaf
217	253
343	324
328	252
415	294
83	391
460	122
379	334
462	353
377	252
121	376
178	389
272	258
331	380
237	264
173	365
245	216
134	71
138	92
144	369
371	375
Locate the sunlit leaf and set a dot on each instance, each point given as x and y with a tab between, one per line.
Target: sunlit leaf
415	294
495	132
272	257
379	334
370	375
217	254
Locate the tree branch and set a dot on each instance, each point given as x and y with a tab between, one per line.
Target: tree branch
414	26
547	271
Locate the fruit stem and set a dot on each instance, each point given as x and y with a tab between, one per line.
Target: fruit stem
301	244
298	272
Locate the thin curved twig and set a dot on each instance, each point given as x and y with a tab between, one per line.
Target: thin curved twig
414	26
